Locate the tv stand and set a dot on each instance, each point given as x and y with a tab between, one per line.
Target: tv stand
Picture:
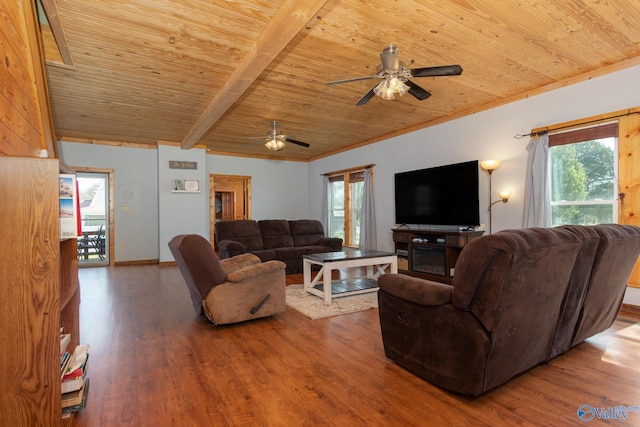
430	254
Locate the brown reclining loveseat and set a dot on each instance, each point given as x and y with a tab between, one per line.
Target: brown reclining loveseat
519	298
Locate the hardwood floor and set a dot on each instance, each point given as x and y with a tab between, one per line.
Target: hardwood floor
153	363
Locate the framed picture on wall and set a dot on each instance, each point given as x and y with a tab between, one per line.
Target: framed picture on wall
192	185
185	186
178	185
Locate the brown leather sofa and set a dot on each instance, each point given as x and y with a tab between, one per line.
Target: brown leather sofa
275	239
518	299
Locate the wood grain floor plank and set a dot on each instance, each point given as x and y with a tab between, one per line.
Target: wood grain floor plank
153	363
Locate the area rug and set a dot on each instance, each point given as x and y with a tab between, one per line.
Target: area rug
315	308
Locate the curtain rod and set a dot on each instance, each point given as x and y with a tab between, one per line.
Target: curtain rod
542	132
357	168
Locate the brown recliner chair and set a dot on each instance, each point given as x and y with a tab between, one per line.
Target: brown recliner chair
230	290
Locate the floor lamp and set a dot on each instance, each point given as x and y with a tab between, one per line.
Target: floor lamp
490	166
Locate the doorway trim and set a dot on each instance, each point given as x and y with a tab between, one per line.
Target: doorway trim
108	172
246	185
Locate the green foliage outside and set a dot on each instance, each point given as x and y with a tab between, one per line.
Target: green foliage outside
336	227
582	172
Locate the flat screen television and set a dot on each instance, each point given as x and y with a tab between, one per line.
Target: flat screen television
439	196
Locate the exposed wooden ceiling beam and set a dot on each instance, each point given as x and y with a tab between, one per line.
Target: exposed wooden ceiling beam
288	21
55	23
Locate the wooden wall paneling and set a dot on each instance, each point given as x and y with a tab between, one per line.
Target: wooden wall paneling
17	99
629	177
39	79
25	118
30	317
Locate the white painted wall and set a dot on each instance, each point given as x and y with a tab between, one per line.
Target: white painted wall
135	186
632	296
278	188
181	213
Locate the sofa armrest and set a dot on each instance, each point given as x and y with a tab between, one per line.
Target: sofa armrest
417	290
230	248
334	243
252	271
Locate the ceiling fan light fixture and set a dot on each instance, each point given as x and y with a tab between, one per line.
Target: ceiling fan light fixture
391	88
275	143
400	87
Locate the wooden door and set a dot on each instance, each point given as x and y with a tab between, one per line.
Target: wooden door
229	199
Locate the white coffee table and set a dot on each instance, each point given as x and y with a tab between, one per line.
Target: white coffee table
321	284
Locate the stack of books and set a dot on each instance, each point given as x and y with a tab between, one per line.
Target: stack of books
73	375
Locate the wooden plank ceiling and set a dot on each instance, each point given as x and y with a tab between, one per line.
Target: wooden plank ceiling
217	73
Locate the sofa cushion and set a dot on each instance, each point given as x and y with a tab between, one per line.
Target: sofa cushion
265	254
306	232
246	232
316	249
289	253
275	233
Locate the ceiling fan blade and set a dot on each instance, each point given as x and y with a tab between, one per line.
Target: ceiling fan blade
293	141
366	97
445	70
355	79
417	91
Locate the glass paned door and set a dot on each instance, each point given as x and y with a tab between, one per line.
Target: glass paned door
93	245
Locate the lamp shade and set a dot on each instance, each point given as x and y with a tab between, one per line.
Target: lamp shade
504	195
490	165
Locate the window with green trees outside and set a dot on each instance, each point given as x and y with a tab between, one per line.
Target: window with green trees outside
583	176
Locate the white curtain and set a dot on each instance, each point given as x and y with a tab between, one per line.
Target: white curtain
326	197
368	236
537	199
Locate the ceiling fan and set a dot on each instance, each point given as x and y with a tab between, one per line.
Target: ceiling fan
276	140
396	75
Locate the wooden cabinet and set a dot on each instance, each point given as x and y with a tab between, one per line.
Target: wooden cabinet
39	291
431	254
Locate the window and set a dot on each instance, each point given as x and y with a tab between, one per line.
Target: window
346	206
583	166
